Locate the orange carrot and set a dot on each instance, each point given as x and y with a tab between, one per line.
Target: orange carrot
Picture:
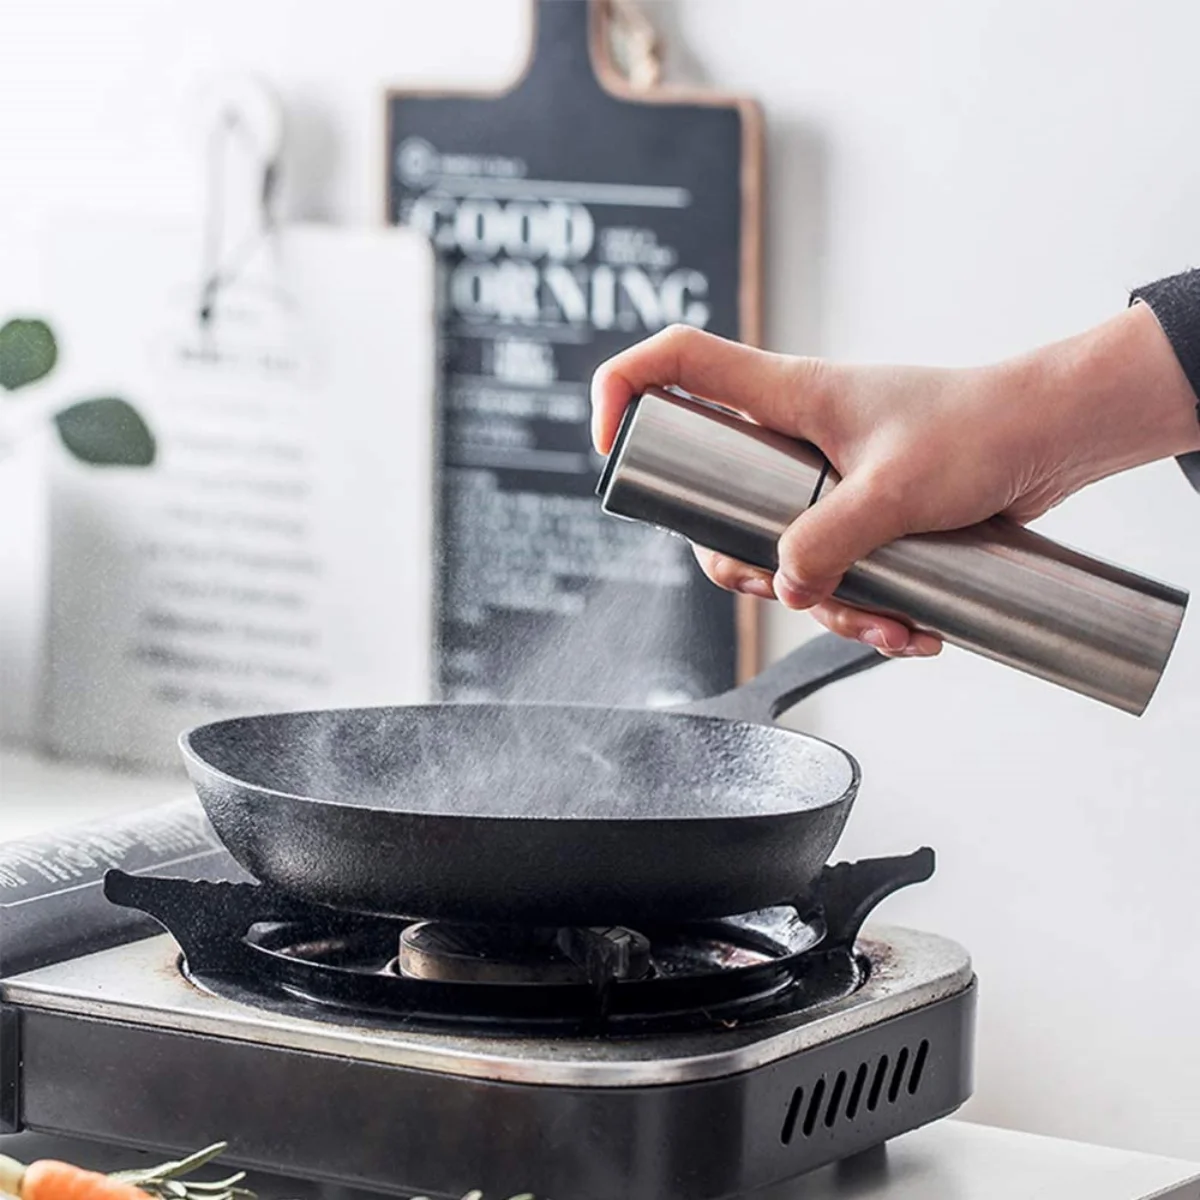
47	1179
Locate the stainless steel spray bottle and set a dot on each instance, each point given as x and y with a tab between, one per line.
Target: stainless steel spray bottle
995	588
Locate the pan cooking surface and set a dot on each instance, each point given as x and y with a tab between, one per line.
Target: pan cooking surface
529	761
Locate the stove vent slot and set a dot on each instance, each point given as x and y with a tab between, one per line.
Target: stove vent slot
789	1121
877	1083
884	1080
898	1076
860	1082
814	1107
914	1080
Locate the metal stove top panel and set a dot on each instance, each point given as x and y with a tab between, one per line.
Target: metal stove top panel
140	983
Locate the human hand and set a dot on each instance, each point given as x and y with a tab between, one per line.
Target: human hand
921	449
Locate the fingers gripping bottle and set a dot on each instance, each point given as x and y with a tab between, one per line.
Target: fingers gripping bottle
995	588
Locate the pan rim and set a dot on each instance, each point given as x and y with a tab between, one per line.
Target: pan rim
193	759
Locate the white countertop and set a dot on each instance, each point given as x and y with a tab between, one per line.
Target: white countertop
950	1160
38	793
954	1160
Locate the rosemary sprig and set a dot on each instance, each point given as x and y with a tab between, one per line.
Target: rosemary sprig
164	1182
478	1195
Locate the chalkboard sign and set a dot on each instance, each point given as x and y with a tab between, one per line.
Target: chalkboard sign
572	216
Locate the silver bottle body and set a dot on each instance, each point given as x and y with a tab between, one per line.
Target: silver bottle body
995	588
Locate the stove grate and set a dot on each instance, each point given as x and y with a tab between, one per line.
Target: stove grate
258	945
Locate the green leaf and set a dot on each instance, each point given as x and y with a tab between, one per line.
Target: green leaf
106	433
28	353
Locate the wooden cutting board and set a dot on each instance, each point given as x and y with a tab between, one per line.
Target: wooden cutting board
572	216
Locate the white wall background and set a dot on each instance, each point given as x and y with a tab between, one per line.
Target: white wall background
949	182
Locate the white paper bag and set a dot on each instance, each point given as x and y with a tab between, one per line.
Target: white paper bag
277	554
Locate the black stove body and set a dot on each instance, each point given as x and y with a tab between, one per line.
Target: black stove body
693	1062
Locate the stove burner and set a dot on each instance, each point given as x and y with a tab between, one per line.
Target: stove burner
514	954
259	946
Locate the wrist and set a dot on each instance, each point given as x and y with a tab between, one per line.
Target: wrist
1116	397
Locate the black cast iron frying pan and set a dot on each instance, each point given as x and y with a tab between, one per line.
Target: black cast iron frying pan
538	813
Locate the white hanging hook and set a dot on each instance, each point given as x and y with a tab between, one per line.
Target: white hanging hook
238	119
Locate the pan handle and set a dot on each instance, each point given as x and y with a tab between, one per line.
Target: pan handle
824	659
848	892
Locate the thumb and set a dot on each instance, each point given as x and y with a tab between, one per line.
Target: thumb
821	544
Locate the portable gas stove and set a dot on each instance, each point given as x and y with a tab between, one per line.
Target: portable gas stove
700	1060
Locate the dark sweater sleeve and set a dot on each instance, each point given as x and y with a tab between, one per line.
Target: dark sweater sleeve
1176	303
